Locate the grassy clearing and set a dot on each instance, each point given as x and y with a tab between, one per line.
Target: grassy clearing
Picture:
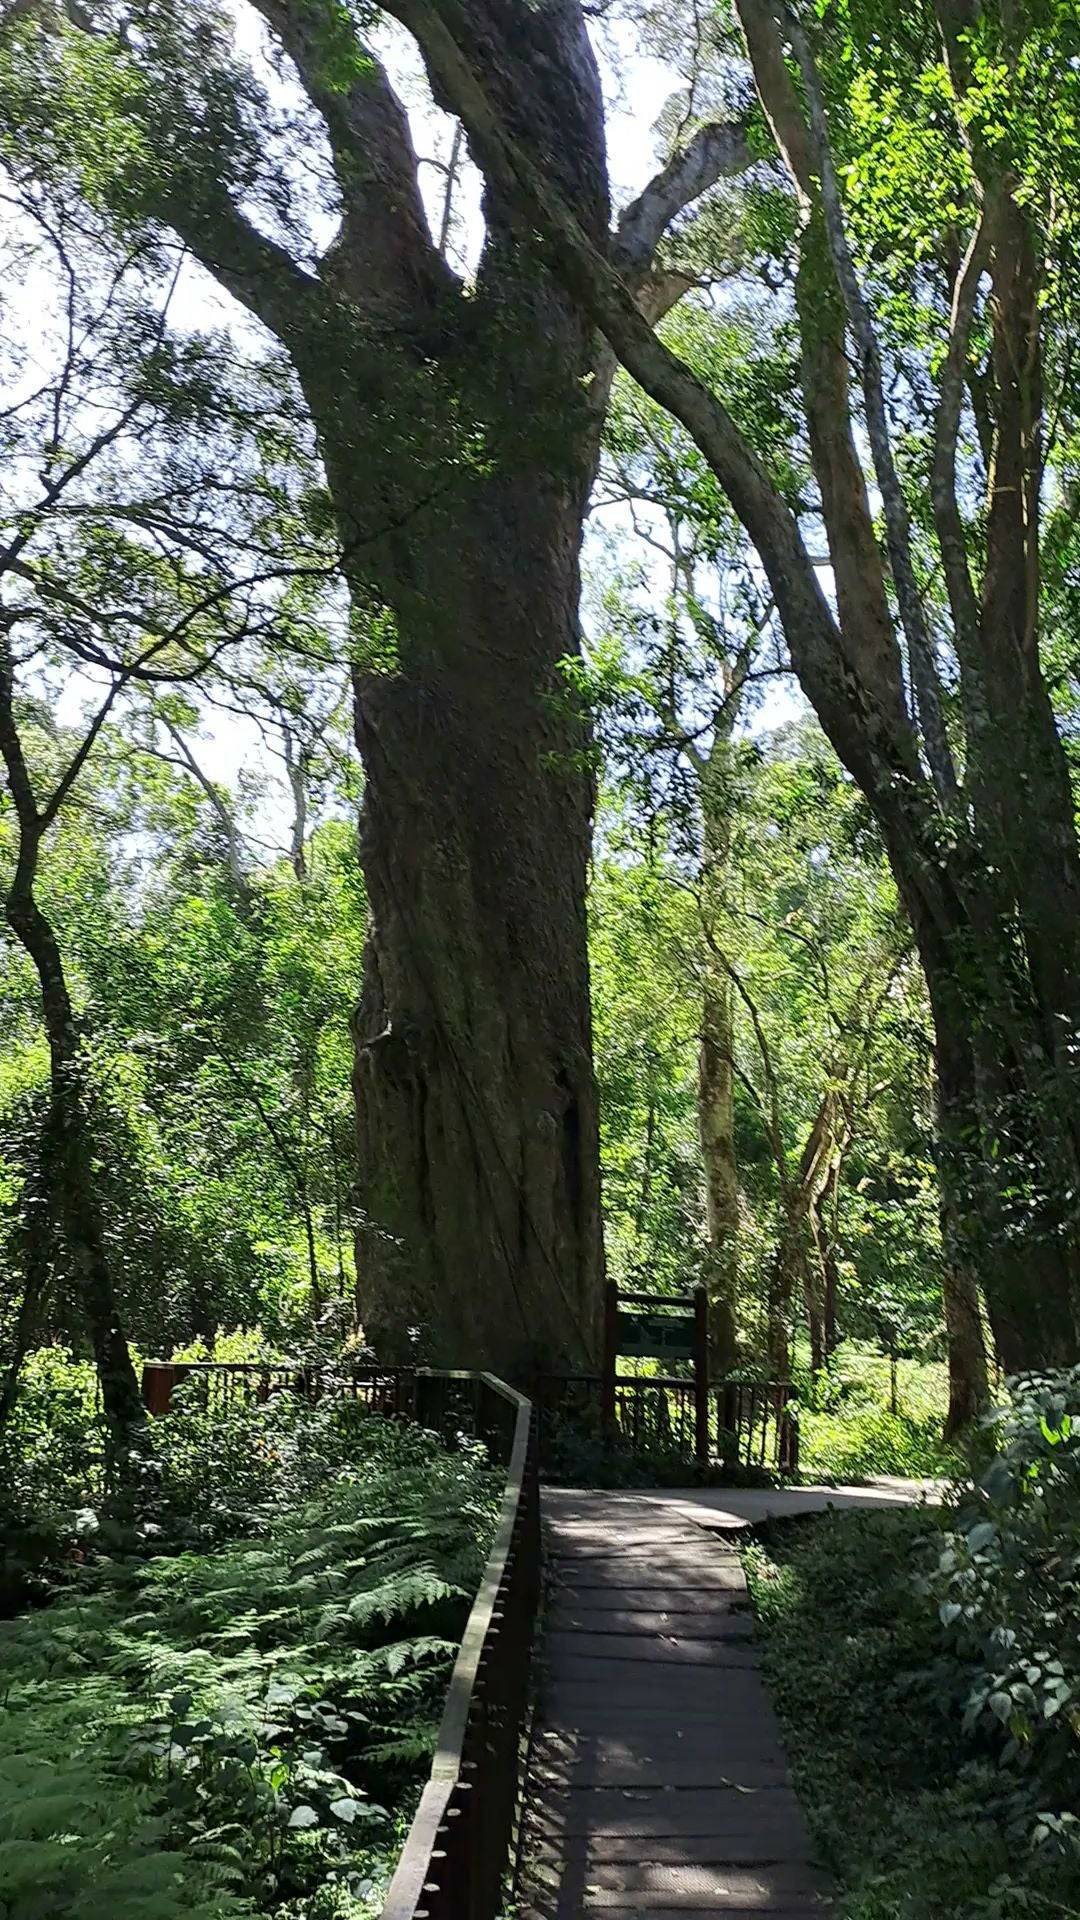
849	1431
917	1814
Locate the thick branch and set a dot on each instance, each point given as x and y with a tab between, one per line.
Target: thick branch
385	255
865	726
950	527
894	505
714	151
866	623
258	272
253	268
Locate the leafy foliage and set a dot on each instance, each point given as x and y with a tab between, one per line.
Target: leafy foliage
218	1732
911	1811
851	1429
1007	1584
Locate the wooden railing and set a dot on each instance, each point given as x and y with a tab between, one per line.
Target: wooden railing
750	1423
459	1847
216	1386
461	1843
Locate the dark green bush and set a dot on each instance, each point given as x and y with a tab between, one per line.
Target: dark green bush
907	1798
52	1472
1006	1581
216	1733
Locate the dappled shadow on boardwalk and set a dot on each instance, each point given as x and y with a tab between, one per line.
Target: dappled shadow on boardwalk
657	1782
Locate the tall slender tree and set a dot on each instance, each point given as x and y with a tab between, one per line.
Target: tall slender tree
119	537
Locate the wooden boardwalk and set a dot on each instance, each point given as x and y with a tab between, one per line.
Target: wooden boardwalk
658	1785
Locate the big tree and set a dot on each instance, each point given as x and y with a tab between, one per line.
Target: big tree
938	706
459	426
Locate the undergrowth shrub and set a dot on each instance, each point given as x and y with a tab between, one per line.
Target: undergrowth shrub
848	1431
1006	1581
52	1454
853	1445
927	1668
212	1733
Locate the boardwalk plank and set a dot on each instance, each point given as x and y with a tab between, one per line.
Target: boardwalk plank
612	1594
566	1648
715	1816
748	1848
667	1574
657	1782
656	1883
712	1625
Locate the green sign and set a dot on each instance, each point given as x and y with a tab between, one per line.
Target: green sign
657	1336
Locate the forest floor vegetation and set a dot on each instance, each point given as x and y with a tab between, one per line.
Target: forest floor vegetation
864	1417
228	1702
925	1667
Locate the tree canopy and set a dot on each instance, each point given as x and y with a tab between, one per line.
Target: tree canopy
715	922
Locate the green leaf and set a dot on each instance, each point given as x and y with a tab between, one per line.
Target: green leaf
981	1535
347	1809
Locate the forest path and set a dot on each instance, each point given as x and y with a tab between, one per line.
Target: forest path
657	1783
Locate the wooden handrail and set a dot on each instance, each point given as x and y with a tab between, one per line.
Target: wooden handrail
414	1868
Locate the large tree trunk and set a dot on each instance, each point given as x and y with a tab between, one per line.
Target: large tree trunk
478	1135
475	1098
998	1114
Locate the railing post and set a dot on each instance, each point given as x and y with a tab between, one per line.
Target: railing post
611	1358
728	1415
701	1376
157	1386
788	1447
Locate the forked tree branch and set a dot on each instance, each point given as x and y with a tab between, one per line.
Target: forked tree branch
385	250
865	726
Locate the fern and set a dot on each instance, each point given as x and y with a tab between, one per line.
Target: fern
216	1734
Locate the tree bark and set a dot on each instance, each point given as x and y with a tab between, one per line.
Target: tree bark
475	1099
788	1282
817	1293
716	1052
71	1147
716	1126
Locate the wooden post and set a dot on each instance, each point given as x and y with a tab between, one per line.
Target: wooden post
701	1375
611	1357
157	1386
